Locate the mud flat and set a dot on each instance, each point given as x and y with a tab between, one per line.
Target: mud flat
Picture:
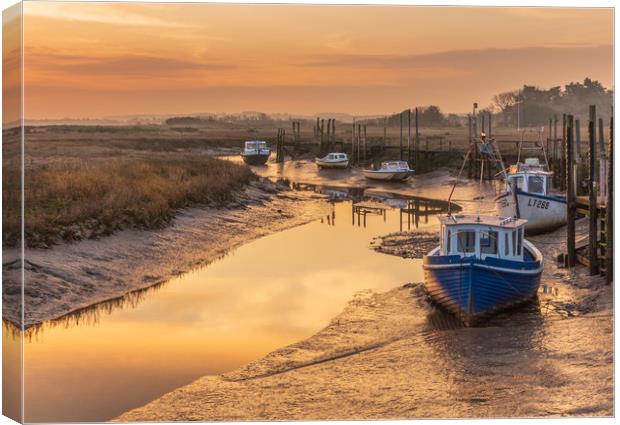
73	276
393	355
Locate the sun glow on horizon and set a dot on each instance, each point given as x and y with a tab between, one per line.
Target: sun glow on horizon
101	59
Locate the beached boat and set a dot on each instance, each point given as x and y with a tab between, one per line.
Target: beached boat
390	171
483	265
526	195
333	160
256	152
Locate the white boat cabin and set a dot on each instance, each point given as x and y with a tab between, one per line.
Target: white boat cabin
336	157
255	146
394	165
482	236
529	177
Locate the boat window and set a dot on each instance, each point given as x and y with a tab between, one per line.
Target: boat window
536	184
519	241
467	241
488	242
517	181
448	241
506	245
514	242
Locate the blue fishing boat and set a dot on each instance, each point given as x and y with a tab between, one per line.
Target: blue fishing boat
482	265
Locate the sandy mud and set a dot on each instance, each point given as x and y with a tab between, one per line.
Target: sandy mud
70	277
391	355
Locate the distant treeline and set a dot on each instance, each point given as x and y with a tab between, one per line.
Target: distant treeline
247	117
528	106
533	106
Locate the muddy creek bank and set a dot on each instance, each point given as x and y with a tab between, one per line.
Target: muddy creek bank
268	293
69	277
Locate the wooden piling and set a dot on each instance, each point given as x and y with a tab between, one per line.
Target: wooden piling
359	140
593	207
409	138
555	152
602	175
329	137
609	211
563	155
470	170
579	168
365	143
571	205
317	132
416	142
353	141
322	138
401	137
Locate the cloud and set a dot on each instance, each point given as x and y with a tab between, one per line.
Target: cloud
121	65
458	58
103	13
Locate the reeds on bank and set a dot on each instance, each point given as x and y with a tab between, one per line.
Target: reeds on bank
79	199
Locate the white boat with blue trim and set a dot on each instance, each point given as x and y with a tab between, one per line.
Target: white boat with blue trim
336	160
483	265
390	171
527	195
255	152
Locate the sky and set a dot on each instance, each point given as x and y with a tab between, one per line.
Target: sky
90	60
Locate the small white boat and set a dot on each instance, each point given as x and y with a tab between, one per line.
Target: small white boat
333	160
526	195
255	152
390	171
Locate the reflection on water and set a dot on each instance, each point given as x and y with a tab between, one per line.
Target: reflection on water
272	292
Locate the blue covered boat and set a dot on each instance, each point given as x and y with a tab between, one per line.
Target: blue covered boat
482	265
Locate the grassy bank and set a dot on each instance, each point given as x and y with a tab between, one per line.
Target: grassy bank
75	199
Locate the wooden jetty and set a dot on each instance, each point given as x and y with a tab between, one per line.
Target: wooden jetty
594	250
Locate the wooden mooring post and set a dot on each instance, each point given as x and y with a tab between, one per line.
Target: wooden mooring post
280	145
579	168
602	175
593	207
409	138
562	162
470	163
554	157
400	155
416	141
609	248
365	143
571	205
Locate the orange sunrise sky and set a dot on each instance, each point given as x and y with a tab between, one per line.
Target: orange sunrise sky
105	59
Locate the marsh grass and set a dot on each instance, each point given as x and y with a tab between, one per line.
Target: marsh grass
75	200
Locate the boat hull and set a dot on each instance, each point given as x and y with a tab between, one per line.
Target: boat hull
543	213
332	164
256	159
387	175
475	289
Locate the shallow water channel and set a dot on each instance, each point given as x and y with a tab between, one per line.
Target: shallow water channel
264	295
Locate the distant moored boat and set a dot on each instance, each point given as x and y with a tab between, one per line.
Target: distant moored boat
333	160
255	152
390	171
